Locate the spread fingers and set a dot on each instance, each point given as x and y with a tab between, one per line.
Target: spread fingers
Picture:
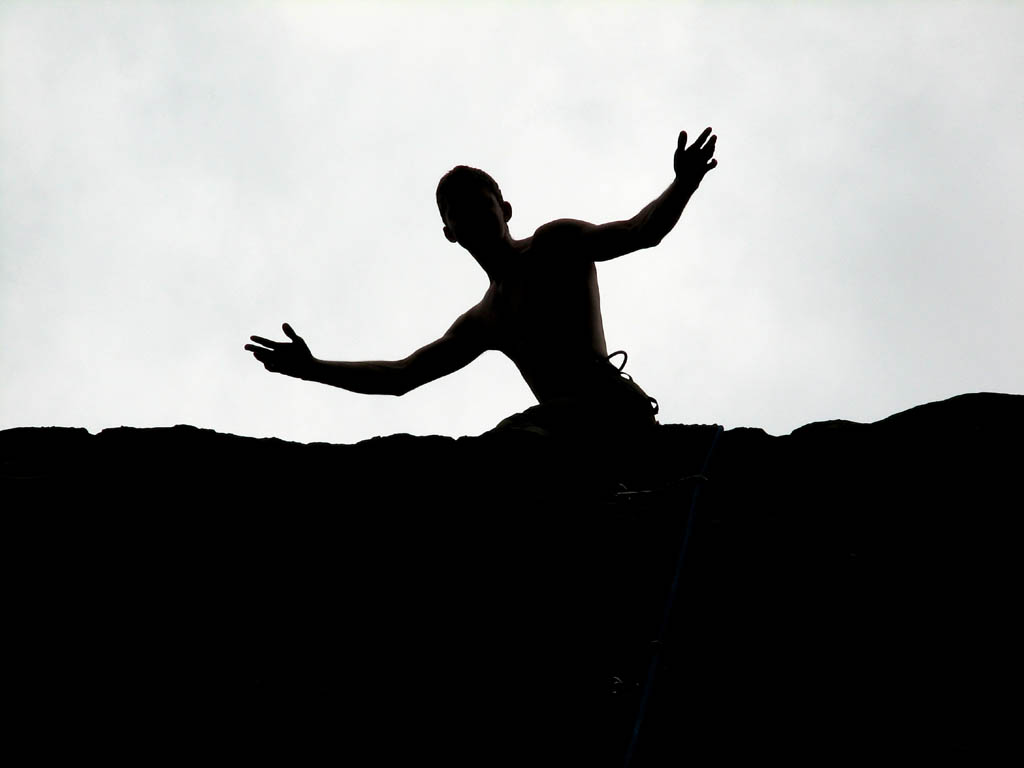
265	342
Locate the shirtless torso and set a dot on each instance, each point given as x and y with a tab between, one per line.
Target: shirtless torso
544	314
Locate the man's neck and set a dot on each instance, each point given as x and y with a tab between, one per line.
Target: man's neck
494	258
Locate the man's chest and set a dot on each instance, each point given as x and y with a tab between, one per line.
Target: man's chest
542	304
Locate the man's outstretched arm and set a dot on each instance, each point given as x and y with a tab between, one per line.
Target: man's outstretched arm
648	228
294	359
460	345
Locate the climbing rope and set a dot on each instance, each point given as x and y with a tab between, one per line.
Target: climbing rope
666	613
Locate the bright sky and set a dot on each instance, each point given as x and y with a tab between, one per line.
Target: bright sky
175	177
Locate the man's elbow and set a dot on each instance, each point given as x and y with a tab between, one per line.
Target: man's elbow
408	376
642	235
650	239
404	388
402	383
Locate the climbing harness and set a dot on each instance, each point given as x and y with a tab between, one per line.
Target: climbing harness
666	613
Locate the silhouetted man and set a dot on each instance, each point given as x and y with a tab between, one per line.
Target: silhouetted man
542	309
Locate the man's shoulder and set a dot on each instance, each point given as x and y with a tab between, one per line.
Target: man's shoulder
567	239
471	317
475	321
594	242
560	230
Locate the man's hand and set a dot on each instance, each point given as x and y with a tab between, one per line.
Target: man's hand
290	358
691	164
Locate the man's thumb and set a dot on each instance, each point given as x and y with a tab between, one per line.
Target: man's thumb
289	332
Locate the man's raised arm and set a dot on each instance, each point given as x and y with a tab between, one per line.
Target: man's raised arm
647	229
657	219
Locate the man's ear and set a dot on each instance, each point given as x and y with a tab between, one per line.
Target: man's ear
507	208
449	236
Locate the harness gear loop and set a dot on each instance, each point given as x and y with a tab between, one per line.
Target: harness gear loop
625	357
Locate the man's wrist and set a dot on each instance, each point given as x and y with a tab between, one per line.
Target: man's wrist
313	371
684	186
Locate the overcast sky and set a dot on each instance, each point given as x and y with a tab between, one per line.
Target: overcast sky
175	177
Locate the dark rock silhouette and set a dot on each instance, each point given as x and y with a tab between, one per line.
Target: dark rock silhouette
846	587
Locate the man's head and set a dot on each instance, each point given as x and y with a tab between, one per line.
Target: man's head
471	205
